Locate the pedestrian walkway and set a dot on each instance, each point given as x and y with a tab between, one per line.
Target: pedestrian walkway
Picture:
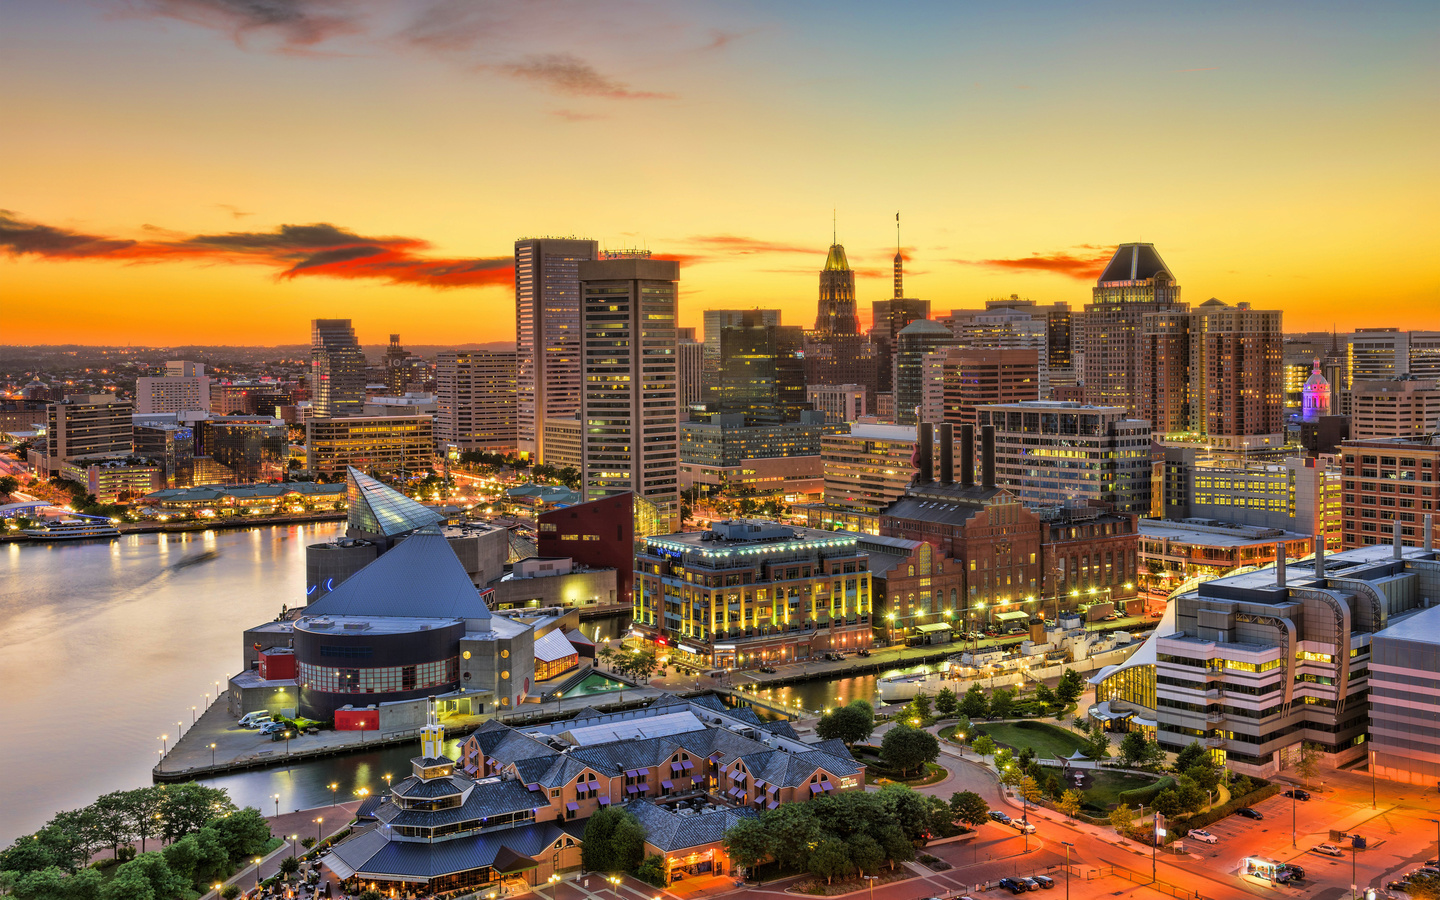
302	824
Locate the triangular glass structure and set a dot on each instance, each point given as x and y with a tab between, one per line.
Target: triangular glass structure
383	510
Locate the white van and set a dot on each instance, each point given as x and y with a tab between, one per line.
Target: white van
255	719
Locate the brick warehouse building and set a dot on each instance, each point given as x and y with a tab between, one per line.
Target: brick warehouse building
1091	554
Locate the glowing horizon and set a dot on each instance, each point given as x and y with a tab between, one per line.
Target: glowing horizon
196	173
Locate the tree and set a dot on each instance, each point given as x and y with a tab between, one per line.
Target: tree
907	809
1070	803
920	708
1029	792
1003	759
112	820
1424	886
793	831
606	655
1070	688
831	859
1191	754
1011	775
9	484
1154	755
371	895
895	844
1167	802
143	806
974	704
614	841
1045	695
946	703
1000	702
906	748
848	723
969	807
652	870
1053	787
748	843
1098	745
1204	775
983	745
230	892
1306	760
244	833
1132	748
1121	818
185	808
865	852
289	866
155	874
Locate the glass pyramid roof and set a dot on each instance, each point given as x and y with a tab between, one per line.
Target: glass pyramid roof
383	510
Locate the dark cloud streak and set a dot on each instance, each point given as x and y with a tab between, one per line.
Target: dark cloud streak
320	249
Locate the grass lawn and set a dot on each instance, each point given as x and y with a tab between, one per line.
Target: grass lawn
1106	786
1048	741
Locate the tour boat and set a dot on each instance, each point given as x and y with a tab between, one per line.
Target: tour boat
74	530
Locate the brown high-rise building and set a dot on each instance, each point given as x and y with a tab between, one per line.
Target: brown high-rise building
547	333
836	314
975	378
1135	282
1215	373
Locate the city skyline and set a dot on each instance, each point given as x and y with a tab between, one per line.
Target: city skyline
184	162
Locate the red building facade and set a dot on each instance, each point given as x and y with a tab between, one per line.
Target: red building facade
600	534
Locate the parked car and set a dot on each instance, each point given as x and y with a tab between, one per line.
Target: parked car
1021	826
1329	850
768	670
999	816
1045	881
863	651
1011	885
1398	886
1297	794
1297	873
1250	813
1030	883
272	728
1203	836
254	719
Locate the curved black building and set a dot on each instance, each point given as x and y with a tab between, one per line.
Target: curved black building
347	660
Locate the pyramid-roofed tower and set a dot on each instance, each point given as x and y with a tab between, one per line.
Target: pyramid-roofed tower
381	510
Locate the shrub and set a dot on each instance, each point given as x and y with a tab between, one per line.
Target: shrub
1145	796
1215	814
230	891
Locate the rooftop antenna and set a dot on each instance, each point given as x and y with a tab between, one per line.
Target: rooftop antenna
834	226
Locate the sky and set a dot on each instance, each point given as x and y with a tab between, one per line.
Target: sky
223	171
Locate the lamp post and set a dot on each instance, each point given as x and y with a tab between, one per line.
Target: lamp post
257	873
1067	845
387	777
334	799
1437	836
294	838
192	715
318	821
163	739
287	743
212	756
871	879
276	798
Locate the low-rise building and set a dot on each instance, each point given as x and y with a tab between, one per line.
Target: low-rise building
1299	494
1404	741
748	591
111	479
1172	553
544	581
370	443
839	402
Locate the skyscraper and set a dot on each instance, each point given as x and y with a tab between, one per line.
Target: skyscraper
475	398
762	372
836	313
975	378
628	407
547	333
915	341
183	388
401	368
1135	282
337	369
691	359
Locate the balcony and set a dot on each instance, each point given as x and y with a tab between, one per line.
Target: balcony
1214	743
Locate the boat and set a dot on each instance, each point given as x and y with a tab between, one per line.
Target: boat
905	687
74	529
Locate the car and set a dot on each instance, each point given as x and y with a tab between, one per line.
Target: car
1011	885
1045	881
1250	813
999	816
862	652
254	719
1030	883
1021	826
1297	873
1328	849
1433	861
272	728
768	670
1203	836
965	897
1297	794
1398	886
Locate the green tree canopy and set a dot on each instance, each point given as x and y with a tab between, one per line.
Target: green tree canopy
969	807
906	748
946	702
975	705
1001	699
983	745
614	841
831	859
850	724
1071	686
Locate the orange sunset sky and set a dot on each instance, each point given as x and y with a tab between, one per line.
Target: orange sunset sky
221	171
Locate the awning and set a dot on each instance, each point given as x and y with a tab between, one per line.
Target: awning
666	785
676	767
931	629
1013	616
734	792
687	765
573	807
604	801
771	805
738	777
632	773
759	783
814	788
827	786
632	789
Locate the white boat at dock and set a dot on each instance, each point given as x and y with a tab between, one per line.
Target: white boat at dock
74	529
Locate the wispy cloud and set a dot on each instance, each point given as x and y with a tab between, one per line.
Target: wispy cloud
741	245
567	74
571	115
234	211
291	250
292	24
1083	262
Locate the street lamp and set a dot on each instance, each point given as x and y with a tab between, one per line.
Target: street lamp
293	839
1067	845
192	715
387	777
212	756
1437	835
257	873
163	738
334	786
276	798
318	821
871	879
